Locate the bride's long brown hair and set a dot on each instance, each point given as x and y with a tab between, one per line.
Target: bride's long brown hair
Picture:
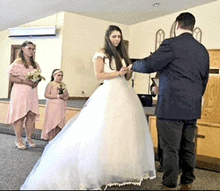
119	51
21	55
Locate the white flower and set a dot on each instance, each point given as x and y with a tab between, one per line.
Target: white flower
35	76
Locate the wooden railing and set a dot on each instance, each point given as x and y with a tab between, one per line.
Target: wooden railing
4	109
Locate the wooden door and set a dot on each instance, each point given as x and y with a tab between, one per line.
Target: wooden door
126	43
14	54
15	49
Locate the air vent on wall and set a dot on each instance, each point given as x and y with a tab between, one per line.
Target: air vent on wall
26	32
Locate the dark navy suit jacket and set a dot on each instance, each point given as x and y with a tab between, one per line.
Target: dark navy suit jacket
183	66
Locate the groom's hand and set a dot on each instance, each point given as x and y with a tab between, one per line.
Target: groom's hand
155	89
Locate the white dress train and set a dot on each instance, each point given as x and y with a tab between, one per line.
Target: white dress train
108	143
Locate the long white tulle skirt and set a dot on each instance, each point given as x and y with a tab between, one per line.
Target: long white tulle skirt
108	143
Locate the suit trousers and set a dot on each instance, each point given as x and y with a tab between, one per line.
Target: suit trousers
177	141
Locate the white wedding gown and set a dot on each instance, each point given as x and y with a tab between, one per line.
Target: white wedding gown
108	143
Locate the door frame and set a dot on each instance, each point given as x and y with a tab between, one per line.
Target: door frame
13	57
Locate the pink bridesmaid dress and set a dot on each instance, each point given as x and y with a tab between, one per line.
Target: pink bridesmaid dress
24	98
54	116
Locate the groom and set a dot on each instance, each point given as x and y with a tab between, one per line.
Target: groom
183	66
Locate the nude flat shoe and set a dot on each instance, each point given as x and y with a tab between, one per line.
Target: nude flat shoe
22	147
28	144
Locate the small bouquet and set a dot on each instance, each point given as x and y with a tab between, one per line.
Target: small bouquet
35	76
61	88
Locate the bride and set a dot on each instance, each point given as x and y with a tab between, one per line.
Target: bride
109	142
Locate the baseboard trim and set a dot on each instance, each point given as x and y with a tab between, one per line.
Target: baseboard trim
208	163
78	98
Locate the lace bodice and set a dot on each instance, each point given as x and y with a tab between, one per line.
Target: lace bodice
106	66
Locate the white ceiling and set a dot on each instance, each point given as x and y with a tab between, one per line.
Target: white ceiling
17	12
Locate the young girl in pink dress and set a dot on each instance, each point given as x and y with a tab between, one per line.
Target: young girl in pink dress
23	109
57	96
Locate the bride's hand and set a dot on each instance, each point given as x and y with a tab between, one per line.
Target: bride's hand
123	71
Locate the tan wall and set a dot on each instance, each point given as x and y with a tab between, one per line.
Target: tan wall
83	36
72	50
5	49
48	51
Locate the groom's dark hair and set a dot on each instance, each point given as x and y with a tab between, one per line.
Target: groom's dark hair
186	20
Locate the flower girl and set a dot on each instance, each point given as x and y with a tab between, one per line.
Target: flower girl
57	96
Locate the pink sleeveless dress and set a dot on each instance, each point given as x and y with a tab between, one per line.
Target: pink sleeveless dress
24	98
54	116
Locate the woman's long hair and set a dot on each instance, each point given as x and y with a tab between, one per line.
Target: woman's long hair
119	51
21	55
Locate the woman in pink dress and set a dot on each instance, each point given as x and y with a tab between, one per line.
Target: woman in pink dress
57	96
23	109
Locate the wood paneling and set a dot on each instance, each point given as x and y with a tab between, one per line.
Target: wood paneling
214	58
211	108
208	141
153	130
4	109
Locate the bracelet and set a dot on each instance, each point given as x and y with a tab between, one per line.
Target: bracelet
119	74
58	96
